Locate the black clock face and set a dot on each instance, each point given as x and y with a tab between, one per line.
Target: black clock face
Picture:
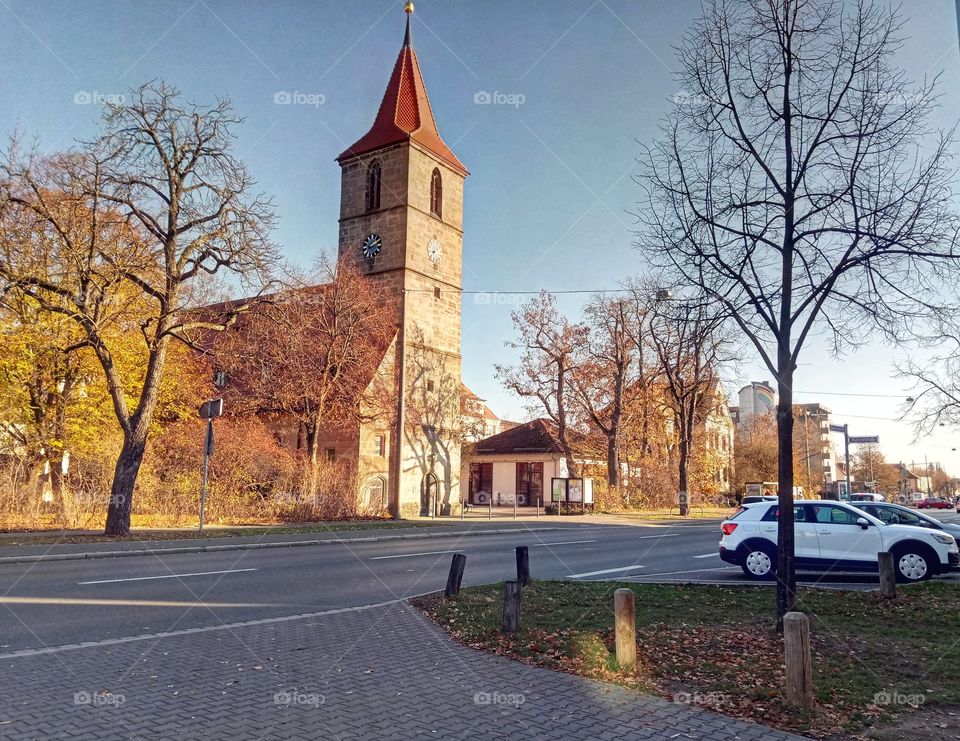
372	244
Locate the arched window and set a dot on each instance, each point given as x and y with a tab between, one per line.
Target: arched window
436	194
377	494
373	185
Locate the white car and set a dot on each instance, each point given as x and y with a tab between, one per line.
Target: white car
833	535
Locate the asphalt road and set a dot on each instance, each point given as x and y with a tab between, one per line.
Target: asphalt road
68	602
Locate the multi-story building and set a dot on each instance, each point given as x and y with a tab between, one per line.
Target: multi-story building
813	442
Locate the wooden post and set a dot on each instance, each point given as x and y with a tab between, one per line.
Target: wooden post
523	565
455	576
796	645
538	507
888	577
511	606
625	628
515	497
490	508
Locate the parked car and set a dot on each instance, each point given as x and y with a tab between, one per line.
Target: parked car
933	503
895	514
834	536
754	499
867	496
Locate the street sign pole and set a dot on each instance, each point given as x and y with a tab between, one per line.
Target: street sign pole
207	450
846	455
208	411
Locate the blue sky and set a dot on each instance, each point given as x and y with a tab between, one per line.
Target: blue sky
547	204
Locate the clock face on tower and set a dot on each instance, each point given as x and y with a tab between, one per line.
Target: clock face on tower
433	251
372	244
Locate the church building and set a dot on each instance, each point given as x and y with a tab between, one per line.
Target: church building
401	221
401	224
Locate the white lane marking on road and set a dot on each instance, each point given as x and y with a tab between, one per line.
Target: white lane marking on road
203	629
411	555
691	571
605	571
440	553
165	576
712	554
562	542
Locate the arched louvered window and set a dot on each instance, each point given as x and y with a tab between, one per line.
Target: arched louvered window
436	194
373	185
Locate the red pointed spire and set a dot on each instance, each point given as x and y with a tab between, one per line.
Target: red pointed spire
405	113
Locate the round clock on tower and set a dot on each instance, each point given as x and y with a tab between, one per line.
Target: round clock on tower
434	251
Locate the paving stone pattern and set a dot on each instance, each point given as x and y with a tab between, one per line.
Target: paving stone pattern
378	673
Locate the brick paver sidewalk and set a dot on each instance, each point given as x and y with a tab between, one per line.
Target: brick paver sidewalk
376	673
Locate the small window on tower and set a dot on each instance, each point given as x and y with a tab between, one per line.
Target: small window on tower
331	454
381	445
429	385
436	292
373	186
436	194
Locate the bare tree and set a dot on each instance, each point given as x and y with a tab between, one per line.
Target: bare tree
608	373
308	354
936	382
550	345
691	346
145	213
796	183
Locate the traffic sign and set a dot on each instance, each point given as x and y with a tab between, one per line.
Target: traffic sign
211	409
838	428
865	439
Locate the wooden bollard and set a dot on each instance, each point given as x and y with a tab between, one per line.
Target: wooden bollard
523	565
796	646
511	606
888	577
455	576
625	627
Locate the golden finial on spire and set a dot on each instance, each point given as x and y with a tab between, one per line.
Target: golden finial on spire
408	7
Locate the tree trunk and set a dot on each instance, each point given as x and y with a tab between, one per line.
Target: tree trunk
57	489
786	575
684	471
124	480
613	461
312	473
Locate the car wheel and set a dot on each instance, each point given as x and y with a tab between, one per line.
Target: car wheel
912	564
760	562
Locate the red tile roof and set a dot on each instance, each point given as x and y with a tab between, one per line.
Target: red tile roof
405	114
538	436
468	399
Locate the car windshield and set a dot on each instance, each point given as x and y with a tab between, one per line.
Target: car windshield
899	516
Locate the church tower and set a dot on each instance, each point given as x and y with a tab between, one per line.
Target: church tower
401	221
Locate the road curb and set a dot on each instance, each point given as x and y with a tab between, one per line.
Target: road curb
43	558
